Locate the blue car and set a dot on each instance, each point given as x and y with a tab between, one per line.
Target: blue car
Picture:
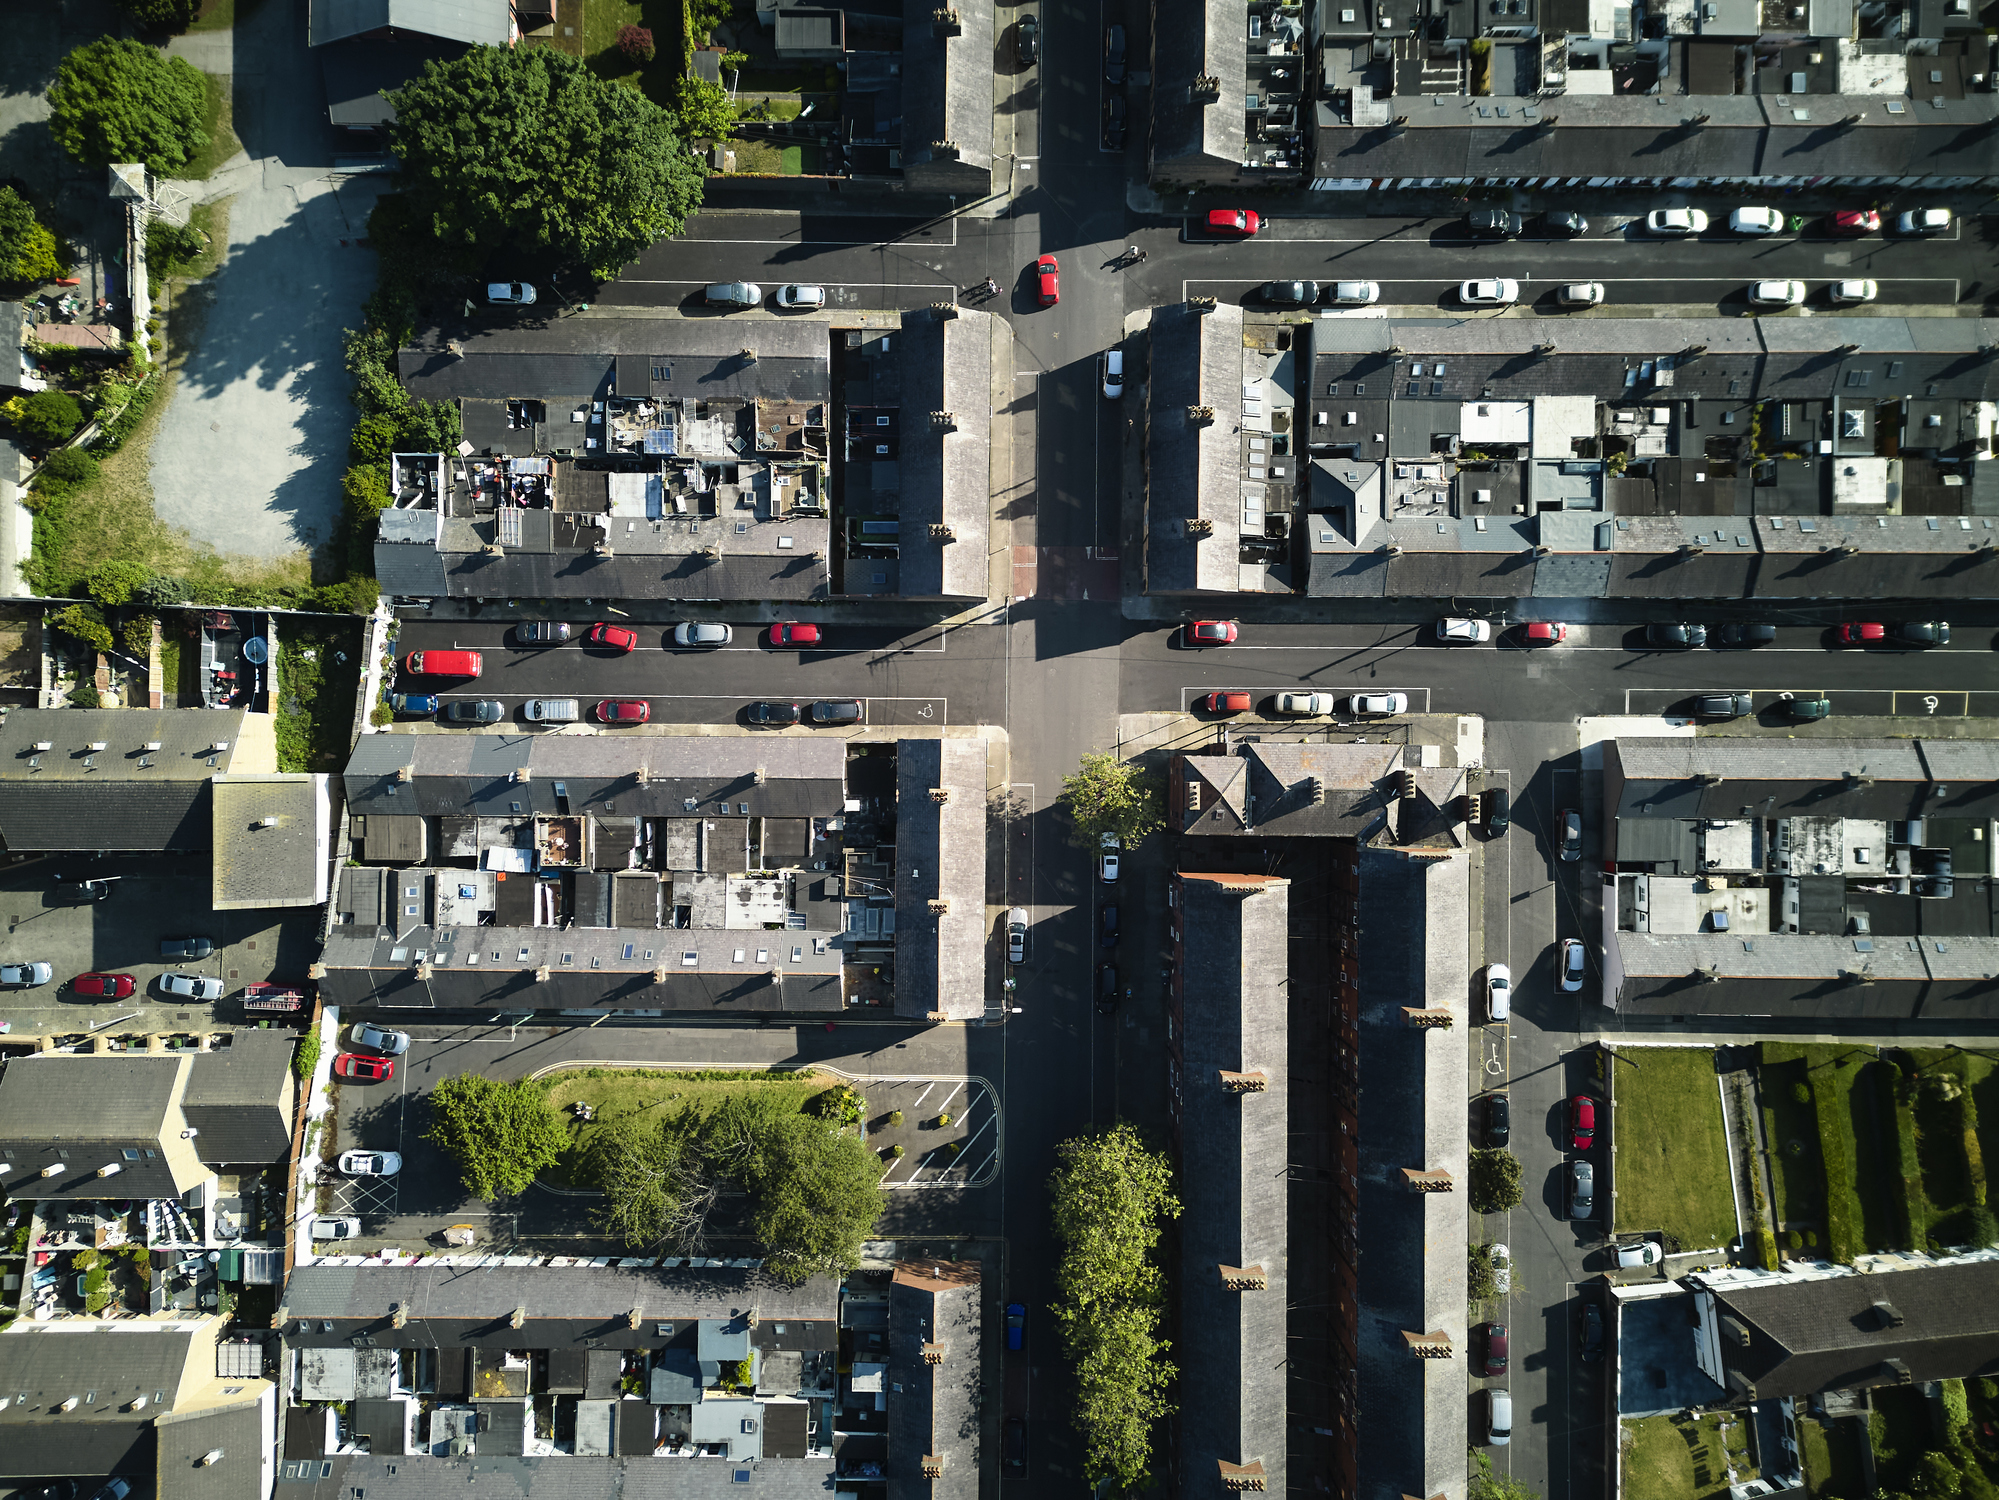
414	703
1016	1324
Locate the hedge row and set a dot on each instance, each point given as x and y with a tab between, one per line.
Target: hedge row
1827	1103
1911	1204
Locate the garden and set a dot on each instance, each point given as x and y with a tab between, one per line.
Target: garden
1672	1173
1684	1457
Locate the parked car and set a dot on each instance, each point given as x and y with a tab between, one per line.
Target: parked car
1107	933
180	986
1860	633
1116	113
1924	221
1110	371
1107	867
1498	1120
612	637
733	294
768	715
1676	222
836	711
335	1227
1228	701
1027	40
363	1068
1303	705
1755	221
1569	825
85	892
25	976
1582	1121
1806	709
1501	1261
186	947
1290	293
1744	637
1377	705
1675	637
100	986
1013	1449
1922	633
1016	935
413	703
1582	1190
1353	293
623	711
1644	1253
796	296
1776	293
1499	1418
474	711
370	1163
1497	803
552	710
1543	633
541	632
1455	630
383	1040
1581	294
1573	964
1847	293
443	663
509	293
1494	291
1493	223
1592	1333
1493	1335
704	633
1565	222
793	633
1114	54
1855	221
1047	281
1498	992
1723	705
1233	223
1016	1325
1208	633
1106	989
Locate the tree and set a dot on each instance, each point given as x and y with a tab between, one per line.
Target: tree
657	1188
527	148
500	1134
1109	1196
1496	1181
50	416
1107	795
1488	1483
67	468
815	1196
636	43
161	15
85	622
122	101
703	110
27	247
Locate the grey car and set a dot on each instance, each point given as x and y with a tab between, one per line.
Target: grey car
541	632
186	947
24	976
734	294
191	986
553	710
475	711
708	633
836	711
1291	293
1016	935
1723	705
1582	1190
1675	637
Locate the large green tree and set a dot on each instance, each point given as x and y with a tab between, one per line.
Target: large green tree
27	248
1110	1195
526	147
122	101
500	1134
1108	795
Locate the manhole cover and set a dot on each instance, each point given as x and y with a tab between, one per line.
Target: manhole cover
233	973
251	945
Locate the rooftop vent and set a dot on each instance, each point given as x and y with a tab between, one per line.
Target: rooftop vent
219	746
45	744
100	744
151	745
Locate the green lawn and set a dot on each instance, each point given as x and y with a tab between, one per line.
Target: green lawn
1672	1172
614	1093
1866	1144
1677	1458
603	19
1831	1460
220	15
1791	1127
314	700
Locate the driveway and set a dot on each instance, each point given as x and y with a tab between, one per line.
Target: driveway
250	451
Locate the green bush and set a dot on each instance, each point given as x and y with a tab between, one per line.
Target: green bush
161	592
307	1056
895	1151
49	416
1794	1240
943	1121
895	1117
172	247
161	15
116	581
67	468
118	100
383	716
85	1260
1956	1407
111	433
28	250
1497	1181
1481	1283
84	695
1766	1248
1801	1092
84	622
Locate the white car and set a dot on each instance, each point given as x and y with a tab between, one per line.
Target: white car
1755	221
1498	992
1776	293
25	976
1016	935
1377	705
1676	221
1848	292
1110	366
1456	630
371	1163
1303	704
1581	294
1353	293
1924	221
1501	1260
1644	1253
1107	868
1499	291
1573	964
509	293
796	296
335	1227
381	1039
191	986
709	633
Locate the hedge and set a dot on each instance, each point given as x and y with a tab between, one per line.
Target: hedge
1908	1195
1827	1101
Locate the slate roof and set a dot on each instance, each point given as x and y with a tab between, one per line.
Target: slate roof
285	865
485	21
1807	974
1279	797
566	1476
1188	139
934	1410
1193	469
1234	1150
119	1363
360	75
946	476
241	1098
1657	777
86	1111
1827	1334
940	854
947	83
235	1429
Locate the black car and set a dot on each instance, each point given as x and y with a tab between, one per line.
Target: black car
1290	293
1114	54
85	892
1592	1333
1107	989
773	715
187	947
1565	221
1744	637
1921	632
1676	637
1498	1120
474	711
1114	117
541	632
1498	805
1013	1455
1724	705
1493	223
837	711
1027	40
1107	926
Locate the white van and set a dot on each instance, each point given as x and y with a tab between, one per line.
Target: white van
1499	1418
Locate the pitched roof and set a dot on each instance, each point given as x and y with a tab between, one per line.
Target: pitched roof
282	864
933	1411
1831	778
85	1112
235	1430
478	21
566	1476
1808	974
118	1361
240	1098
940	855
1194	466
946	476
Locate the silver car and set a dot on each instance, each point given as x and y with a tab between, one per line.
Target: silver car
191	986
1016	935
734	294
24	976
708	633
393	1043
1304	704
800	296
1582	1190
336	1227
1353	293
553	710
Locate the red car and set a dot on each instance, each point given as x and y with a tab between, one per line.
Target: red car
623	711
1856	221
615	636
367	1069
1209	632
1495	1348
1861	633
794	635
1235	223
1582	1121
103	986
1048	277
1226	703
1544	633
